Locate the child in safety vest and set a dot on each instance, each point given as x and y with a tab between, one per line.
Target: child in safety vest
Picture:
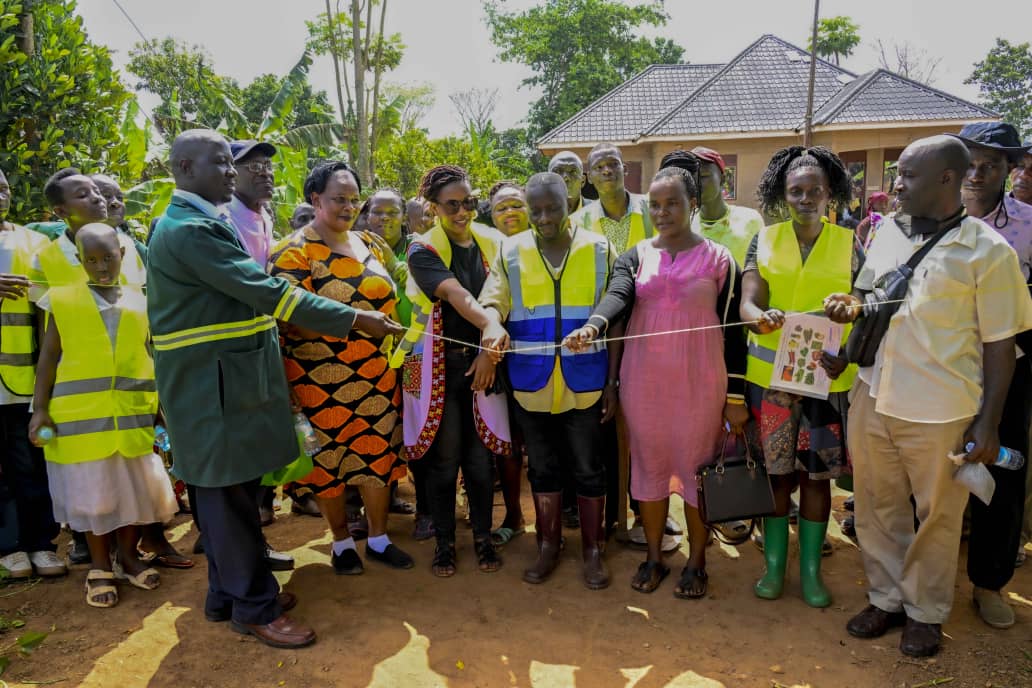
95	405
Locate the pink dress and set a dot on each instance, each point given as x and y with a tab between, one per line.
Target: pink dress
673	387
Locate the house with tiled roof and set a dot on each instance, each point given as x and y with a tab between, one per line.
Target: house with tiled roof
756	104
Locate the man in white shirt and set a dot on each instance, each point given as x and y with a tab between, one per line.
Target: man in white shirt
255	184
939	382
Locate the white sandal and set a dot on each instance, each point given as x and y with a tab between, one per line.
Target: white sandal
94	592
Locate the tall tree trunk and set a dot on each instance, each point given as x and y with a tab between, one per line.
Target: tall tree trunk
377	74
361	114
26	29
335	50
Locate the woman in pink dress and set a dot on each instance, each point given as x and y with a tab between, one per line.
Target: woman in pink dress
676	390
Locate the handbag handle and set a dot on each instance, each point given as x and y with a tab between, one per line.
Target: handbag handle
749	461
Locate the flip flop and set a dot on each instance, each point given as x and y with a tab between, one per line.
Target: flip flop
688	576
92	593
503	535
647	570
171	560
140	579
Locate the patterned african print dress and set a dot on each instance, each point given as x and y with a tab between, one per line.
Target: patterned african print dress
348	392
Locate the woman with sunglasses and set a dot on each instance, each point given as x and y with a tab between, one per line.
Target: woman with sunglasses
453	417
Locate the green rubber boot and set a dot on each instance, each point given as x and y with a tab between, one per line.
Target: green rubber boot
811	538
775	552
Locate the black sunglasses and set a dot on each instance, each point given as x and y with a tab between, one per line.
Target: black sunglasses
452	207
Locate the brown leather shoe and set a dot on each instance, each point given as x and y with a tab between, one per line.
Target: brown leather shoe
548	509
592	511
287	601
873	622
920	639
283	632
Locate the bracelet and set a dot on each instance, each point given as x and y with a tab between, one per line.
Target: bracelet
735	401
613	382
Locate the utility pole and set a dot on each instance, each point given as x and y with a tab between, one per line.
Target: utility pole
808	130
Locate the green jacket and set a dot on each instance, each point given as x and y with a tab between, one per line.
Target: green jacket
219	370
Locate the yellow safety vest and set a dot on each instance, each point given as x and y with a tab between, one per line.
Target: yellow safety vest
796	287
590	217
422	307
104	399
544	310
18	323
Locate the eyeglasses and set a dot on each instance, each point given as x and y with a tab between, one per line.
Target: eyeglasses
255	167
452	207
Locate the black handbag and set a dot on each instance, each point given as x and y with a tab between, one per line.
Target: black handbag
735	488
885	299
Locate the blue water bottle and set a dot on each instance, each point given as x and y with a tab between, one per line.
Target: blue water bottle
45	434
161	440
1008	458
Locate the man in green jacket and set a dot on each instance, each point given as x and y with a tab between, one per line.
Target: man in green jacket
220	376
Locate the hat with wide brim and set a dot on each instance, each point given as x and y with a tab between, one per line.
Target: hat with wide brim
241	149
995	135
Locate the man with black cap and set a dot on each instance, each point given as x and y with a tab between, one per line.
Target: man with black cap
938	383
247	209
568	165
995	150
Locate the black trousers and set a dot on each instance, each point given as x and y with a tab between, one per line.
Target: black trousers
25	508
565	443
996	528
457	445
239	578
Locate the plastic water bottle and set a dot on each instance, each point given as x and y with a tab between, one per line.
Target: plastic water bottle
161	440
45	434
1011	459
305	430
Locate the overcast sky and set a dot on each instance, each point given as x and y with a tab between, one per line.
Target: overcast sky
449	47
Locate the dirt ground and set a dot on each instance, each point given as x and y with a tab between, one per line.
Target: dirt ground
407	628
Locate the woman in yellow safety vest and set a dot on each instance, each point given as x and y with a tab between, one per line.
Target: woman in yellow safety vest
96	398
454	415
804	264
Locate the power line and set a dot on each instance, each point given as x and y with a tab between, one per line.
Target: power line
130	20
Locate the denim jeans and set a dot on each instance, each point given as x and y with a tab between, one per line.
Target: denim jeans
563	444
457	445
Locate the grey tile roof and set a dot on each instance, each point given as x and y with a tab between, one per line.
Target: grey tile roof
881	96
762	89
630	108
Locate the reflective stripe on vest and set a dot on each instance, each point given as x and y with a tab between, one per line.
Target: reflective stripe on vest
797	287
104	399
60	272
18	323
213	333
544	310
590	217
422	306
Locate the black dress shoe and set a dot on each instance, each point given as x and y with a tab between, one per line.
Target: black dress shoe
873	622
278	561
347	563
920	639
287	601
305	506
393	556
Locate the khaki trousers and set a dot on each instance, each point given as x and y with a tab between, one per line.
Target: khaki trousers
892	460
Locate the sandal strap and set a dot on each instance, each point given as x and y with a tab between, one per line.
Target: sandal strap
444	555
486	552
99	575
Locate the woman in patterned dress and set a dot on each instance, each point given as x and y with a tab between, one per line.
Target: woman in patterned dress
345	387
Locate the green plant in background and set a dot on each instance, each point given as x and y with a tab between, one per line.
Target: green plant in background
61	98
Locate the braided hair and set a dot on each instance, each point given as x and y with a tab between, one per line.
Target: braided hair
503	184
685	160
439	177
689	180
771	189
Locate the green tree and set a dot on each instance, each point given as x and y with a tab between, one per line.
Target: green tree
60	105
191	92
1004	78
312	107
837	37
403	161
577	50
349	37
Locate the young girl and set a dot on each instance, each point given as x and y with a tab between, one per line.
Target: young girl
95	404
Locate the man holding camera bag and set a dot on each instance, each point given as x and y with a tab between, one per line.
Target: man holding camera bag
938	380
